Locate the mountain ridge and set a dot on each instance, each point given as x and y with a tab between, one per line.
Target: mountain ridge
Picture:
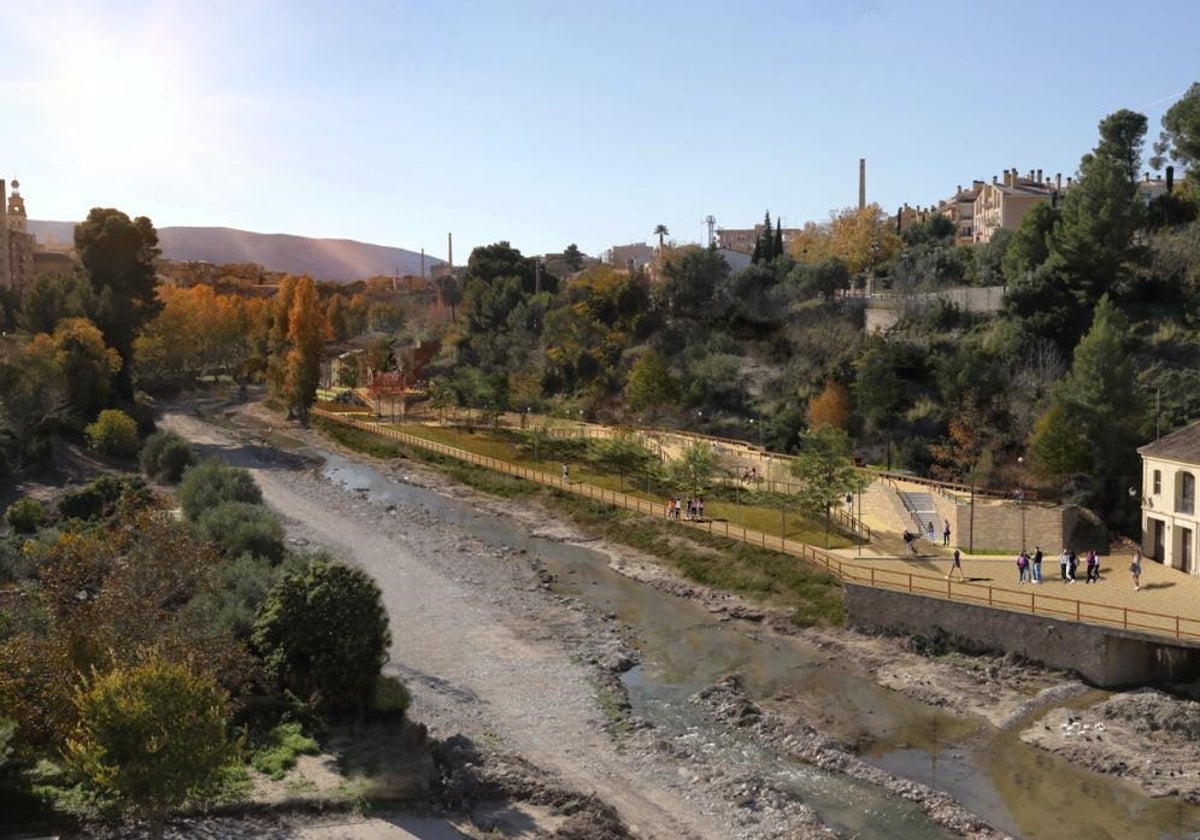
334	260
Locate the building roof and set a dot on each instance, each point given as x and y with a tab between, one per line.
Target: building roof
1181	445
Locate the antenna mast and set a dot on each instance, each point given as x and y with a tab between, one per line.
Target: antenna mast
711	221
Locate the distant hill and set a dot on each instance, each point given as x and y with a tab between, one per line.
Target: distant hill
341	260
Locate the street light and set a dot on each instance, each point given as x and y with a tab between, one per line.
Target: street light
1021	497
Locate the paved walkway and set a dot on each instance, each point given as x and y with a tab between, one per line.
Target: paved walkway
1166	604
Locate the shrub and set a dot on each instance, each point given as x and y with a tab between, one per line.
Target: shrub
100	497
165	456
212	482
152	735
25	516
113	433
323	635
283	745
242	528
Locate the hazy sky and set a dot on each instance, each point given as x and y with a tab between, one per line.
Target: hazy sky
546	123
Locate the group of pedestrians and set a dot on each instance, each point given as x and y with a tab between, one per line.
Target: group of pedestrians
693	509
1029	566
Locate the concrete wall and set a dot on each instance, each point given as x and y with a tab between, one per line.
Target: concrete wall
1103	656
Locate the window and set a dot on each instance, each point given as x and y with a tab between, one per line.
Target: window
1157	482
1187	494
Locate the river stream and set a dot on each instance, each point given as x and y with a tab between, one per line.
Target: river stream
1015	787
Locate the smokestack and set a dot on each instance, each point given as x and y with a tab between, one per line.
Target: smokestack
1058	181
422	263
450	250
1039	176
862	184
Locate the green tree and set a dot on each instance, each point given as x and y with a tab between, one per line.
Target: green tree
1057	445
118	256
690	279
88	367
573	257
1122	138
825	471
694	468
1180	137
1029	245
1100	398
153	735
662	233
323	635
623	452
49	299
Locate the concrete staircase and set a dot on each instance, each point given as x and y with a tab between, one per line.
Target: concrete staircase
922	511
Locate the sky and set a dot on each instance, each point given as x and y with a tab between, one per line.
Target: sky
550	123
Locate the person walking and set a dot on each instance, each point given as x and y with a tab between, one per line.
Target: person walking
1135	569
1072	565
1093	568
566	474
910	543
946	532
956	566
1022	566
1036	564
1064	560
929	531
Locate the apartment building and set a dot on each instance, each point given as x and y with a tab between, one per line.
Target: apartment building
1004	203
960	210
1170	520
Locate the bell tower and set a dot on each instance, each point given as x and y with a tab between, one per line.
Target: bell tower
15	211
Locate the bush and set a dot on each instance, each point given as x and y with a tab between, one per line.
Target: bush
283	745
113	433
240	528
100	497
323	635
165	456
153	735
16	563
211	483
25	516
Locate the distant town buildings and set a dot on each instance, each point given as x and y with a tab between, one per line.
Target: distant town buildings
630	257
742	240
18	245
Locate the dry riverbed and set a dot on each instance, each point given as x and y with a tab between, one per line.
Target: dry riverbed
496	659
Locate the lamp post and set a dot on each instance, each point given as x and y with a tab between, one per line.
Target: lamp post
1021	497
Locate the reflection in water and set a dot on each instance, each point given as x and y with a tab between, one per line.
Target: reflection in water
1015	787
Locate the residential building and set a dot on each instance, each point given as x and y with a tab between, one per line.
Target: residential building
16	242
1003	204
631	257
1151	188
960	210
1170	519
742	240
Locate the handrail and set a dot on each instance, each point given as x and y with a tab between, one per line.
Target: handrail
900	579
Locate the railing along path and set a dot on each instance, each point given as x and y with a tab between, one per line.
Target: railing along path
898	579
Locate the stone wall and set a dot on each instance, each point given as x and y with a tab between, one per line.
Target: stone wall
1103	656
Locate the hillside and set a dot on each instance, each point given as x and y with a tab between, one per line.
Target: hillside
322	259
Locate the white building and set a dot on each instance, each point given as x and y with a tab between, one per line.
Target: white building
1170	520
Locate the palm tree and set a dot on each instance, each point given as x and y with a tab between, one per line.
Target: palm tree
661	231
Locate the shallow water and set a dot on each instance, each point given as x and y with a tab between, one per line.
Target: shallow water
1013	786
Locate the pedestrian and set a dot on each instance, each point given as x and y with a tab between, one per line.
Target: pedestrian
1022	566
929	531
956	566
1093	568
1063	560
676	507
700	508
1135	569
909	543
566	474
850	503
1072	564
946	532
1036	564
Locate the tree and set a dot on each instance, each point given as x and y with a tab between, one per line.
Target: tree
623	452
449	292
694	467
306	336
1029	245
1100	397
238	528
48	300
825	471
1180	137
323	635
650	384
1122	137
831	407
662	233
690	279
573	257
88	367
1057	445
154	735
118	256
